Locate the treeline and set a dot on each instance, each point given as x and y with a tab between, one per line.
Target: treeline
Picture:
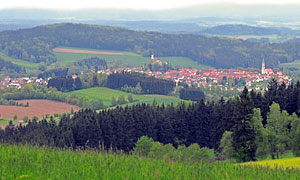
87	80
38	92
36	45
130	82
149	85
90	65
65	83
10	69
11	95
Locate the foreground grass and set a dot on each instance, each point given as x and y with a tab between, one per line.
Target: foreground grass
24	162
106	95
289	163
129	58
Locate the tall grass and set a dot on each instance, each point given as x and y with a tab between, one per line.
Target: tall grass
25	162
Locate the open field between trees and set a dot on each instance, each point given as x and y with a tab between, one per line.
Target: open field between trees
25	162
37	108
106	95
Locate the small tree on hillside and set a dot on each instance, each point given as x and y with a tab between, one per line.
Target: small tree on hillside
113	101
143	146
130	98
227	151
121	100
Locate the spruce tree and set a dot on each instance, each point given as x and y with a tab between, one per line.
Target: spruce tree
243	132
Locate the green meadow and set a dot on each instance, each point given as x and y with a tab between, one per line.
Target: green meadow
26	162
295	64
106	95
129	58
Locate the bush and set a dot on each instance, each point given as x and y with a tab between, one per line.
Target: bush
146	147
143	146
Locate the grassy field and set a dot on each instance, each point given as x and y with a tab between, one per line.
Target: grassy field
26	64
295	64
288	163
25	162
6	122
106	94
131	59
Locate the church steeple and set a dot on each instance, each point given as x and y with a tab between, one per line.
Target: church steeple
263	67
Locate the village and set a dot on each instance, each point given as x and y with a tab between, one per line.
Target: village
20	82
226	79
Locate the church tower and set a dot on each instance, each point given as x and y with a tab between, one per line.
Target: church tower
263	67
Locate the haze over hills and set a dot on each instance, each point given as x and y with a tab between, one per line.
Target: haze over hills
271	12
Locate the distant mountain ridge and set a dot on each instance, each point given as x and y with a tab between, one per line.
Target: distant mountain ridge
239	29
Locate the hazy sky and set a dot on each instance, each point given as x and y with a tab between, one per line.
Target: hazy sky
132	4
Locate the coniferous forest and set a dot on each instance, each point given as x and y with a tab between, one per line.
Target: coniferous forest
258	125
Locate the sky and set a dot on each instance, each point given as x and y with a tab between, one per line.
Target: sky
125	4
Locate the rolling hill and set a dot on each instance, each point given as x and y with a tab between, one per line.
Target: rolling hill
212	51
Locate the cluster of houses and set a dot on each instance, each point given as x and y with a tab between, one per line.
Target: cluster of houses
211	77
207	77
20	82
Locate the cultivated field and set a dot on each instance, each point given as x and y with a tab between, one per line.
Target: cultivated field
24	162
82	51
289	163
106	95
37	108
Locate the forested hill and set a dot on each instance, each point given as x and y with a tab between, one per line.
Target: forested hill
239	29
36	45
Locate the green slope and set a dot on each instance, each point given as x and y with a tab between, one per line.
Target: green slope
24	162
295	64
106	94
131	59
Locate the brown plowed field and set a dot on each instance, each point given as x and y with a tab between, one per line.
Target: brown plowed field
82	51
37	108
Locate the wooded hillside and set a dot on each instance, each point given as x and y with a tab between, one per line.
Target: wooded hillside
36	44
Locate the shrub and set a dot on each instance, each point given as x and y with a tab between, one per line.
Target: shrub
143	146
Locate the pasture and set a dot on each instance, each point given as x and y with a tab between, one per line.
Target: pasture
26	162
106	95
295	64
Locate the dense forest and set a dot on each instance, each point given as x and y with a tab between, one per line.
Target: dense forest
36	44
149	85
244	127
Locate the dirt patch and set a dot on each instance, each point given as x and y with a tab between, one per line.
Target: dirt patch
82	51
37	108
